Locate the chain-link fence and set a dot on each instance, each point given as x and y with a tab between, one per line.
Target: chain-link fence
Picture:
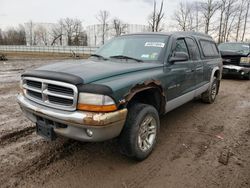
79	50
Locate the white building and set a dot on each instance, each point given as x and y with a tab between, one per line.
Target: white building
94	32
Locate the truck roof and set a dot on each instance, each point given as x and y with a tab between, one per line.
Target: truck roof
182	33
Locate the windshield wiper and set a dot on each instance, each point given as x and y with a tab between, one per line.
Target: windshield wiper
99	56
125	57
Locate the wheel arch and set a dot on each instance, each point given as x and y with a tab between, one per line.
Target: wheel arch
149	92
215	72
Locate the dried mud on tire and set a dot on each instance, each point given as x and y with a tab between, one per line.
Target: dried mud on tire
187	154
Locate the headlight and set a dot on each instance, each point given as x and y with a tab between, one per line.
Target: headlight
95	103
245	60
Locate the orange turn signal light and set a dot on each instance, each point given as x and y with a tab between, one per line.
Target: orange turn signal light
97	108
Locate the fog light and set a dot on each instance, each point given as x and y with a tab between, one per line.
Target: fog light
242	73
89	132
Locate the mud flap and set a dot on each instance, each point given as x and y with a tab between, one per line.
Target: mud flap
45	130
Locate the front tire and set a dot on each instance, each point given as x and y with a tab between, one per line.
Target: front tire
210	95
139	135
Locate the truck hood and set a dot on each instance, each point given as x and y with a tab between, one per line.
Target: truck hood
91	71
232	54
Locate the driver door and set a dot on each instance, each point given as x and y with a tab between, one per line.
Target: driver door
184	70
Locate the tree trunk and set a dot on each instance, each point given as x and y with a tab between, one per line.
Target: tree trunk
245	24
220	26
239	20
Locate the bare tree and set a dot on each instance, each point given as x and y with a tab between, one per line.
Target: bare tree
83	38
103	17
155	19
208	9
223	19
42	34
245	20
152	19
21	35
229	12
183	16
222	9
30	28
187	16
227	19
35	37
119	27
240	18
72	28
78	33
1	37
231	26
195	11
13	36
57	33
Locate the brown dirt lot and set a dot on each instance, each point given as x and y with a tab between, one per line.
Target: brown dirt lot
192	139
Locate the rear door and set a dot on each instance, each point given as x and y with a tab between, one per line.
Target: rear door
195	58
211	57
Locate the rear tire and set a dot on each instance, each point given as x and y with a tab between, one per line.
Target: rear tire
210	95
138	137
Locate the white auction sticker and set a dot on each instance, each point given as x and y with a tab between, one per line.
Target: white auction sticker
145	56
155	44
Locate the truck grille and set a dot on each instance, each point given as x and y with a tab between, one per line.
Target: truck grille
50	93
233	60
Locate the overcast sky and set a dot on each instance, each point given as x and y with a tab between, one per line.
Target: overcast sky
14	12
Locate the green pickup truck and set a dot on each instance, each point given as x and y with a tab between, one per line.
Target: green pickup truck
122	89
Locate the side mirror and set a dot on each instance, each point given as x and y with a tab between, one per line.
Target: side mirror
179	56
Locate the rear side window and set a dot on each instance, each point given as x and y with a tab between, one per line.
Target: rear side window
193	49
209	48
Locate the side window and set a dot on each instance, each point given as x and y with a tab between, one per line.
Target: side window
209	48
193	49
216	52
181	46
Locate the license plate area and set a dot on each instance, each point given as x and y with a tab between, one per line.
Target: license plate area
45	129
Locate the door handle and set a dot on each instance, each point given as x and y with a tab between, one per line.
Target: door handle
199	68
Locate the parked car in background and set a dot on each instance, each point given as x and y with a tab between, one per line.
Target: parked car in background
122	90
236	59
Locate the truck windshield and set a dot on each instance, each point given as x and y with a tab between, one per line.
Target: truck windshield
235	47
134	48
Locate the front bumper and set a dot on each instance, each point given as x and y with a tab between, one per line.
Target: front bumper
104	126
233	70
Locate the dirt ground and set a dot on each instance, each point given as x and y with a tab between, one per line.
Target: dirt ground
194	141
